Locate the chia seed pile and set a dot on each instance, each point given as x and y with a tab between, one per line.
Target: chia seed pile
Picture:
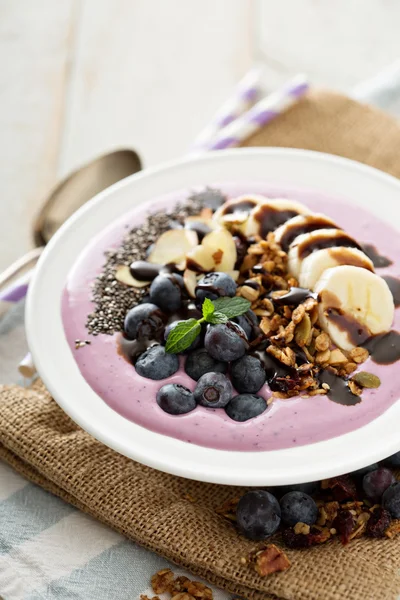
113	299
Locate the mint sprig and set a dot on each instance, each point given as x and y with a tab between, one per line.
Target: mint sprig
207	309
182	336
214	312
231	307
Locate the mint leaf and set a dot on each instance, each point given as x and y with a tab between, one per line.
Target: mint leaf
217	317
207	309
182	336
231	307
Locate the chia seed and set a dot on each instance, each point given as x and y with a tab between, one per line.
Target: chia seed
113	299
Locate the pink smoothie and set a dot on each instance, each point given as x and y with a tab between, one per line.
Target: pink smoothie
286	423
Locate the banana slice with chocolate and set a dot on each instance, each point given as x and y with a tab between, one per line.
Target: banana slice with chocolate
307	243
237	210
289	231
354	304
270	214
316	263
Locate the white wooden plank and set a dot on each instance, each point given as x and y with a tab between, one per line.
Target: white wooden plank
149	74
337	43
34	40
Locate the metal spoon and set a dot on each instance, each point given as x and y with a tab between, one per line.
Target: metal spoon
70	194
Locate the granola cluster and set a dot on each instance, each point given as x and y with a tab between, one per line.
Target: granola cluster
268	559
294	336
179	588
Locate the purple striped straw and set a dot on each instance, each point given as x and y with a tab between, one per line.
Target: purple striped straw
243	97
260	114
14	293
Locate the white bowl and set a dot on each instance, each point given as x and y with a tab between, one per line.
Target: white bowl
57	367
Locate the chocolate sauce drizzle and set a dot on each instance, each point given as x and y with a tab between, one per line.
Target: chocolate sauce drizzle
339	390
243	206
357	333
384	348
394	286
311	224
320	243
378	260
270	218
295	296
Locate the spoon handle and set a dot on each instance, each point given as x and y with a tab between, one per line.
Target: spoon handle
16	268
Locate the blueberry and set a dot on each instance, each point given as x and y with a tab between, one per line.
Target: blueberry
249	323
247	374
166	292
213	390
245	406
214	285
376	482
226	341
258	514
308	488
298	507
175	399
155	363
192	346
359	474
200	362
393	461
144	321
391	500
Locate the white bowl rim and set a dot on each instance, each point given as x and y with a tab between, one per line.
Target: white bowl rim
373	442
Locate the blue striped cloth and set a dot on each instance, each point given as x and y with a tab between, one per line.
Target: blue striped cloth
50	550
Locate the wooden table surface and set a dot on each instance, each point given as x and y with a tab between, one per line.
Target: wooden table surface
81	77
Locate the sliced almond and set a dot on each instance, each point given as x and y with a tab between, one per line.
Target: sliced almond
123	275
190	281
221	246
172	246
181	266
200	259
250	227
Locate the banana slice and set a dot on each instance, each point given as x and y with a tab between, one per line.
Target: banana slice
353	305
237	210
307	243
316	263
270	214
289	231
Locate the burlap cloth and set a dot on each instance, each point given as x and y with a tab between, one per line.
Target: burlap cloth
45	446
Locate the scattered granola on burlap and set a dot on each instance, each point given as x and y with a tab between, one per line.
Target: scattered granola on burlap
268	559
